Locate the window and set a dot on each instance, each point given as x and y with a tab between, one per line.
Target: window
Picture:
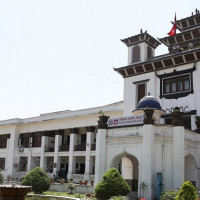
136	54
3	141
141	90
149	52
37	139
176	84
23	163
2	163
25	140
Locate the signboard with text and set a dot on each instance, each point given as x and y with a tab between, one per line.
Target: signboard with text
127	120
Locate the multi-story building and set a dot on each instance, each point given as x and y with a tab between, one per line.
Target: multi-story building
159	150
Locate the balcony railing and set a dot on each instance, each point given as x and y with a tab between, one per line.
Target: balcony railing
79	147
93	147
49	149
64	148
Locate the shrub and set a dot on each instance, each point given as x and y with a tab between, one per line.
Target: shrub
38	179
169	195
1	178
187	192
71	186
113	184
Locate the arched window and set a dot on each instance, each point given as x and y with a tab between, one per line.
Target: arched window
149	52
136	54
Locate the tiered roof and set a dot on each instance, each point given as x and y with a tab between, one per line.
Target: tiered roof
184	48
160	62
189	36
142	37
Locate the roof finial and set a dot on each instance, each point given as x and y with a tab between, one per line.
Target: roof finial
196	11
141	31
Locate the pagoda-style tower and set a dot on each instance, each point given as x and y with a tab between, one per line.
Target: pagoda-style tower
140	47
188	38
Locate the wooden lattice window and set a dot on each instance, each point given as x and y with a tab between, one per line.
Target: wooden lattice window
176	84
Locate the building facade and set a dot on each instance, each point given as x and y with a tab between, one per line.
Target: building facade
151	152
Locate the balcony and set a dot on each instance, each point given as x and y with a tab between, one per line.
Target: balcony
49	149
64	148
80	147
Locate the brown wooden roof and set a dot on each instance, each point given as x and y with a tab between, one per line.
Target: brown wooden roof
160	62
142	37
183	39
189	22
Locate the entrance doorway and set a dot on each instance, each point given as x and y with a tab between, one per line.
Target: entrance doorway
128	168
191	170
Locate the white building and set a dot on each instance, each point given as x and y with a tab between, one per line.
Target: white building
156	152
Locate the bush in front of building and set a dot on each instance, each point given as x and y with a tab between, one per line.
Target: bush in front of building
113	184
71	186
187	192
38	179
1	177
169	195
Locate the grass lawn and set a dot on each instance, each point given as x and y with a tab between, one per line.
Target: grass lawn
56	194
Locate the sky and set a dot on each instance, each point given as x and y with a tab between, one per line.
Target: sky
59	55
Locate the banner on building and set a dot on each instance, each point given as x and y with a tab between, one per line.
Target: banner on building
127	120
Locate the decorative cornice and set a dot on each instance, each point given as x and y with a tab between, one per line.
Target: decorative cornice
142	37
160	62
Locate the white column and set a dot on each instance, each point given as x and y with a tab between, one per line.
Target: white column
29	159
42	157
7	154
178	156
72	158
148	152
100	162
11	153
58	142
88	157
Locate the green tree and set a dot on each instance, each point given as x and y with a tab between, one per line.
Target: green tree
113	184
38	179
1	178
187	192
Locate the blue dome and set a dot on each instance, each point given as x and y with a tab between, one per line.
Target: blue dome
150	102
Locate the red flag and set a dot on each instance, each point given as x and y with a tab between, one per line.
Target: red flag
173	30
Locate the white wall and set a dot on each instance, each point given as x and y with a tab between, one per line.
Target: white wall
153	86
